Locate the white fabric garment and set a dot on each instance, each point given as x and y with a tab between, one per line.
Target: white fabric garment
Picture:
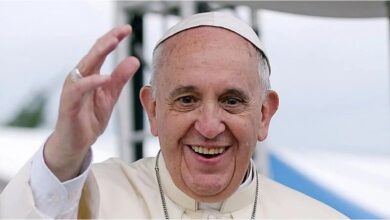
114	189
60	200
53	198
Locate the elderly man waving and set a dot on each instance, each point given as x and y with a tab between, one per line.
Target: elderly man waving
209	102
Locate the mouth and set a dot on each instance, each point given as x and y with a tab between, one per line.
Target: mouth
209	152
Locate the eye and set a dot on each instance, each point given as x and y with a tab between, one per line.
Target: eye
186	99
185	103
233	104
231	101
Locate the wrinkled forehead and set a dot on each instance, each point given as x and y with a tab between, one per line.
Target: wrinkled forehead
219	20
208	56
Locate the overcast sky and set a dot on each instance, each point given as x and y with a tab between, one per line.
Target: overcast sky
41	41
332	75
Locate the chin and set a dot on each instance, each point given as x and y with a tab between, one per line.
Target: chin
208	190
212	189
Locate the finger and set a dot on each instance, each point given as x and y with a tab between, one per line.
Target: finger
77	90
92	62
122	73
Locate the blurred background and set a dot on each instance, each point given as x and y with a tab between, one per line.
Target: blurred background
330	138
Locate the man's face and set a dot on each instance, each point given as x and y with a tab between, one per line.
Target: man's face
208	110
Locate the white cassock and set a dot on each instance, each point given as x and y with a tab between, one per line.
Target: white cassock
116	190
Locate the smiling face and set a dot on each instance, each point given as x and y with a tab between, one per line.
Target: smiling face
209	110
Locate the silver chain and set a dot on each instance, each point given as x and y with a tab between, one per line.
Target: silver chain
253	216
164	204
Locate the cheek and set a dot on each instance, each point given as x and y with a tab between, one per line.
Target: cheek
172	127
244	125
244	130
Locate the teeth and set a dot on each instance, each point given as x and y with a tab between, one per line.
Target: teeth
211	151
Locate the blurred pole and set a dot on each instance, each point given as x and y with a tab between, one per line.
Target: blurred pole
136	49
125	103
388	23
255	21
202	7
187	8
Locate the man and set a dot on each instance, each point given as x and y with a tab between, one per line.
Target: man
209	102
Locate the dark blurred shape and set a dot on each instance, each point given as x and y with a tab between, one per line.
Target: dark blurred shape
31	115
136	48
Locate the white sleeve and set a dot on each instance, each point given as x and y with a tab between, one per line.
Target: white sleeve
53	198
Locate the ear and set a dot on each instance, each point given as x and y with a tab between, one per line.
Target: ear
149	104
269	107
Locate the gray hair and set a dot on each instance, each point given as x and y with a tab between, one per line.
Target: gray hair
263	68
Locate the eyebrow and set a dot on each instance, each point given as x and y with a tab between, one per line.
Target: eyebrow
192	89
237	92
182	89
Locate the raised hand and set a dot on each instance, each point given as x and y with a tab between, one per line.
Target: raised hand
86	105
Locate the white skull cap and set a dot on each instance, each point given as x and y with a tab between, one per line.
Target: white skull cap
216	19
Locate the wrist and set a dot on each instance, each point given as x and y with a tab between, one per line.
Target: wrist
64	161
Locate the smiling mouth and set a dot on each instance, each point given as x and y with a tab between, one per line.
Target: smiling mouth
208	152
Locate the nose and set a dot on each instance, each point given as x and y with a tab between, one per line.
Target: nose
209	122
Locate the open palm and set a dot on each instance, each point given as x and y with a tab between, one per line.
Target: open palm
86	105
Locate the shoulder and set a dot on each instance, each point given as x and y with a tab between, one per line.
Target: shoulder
283	202
116	170
117	163
116	189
